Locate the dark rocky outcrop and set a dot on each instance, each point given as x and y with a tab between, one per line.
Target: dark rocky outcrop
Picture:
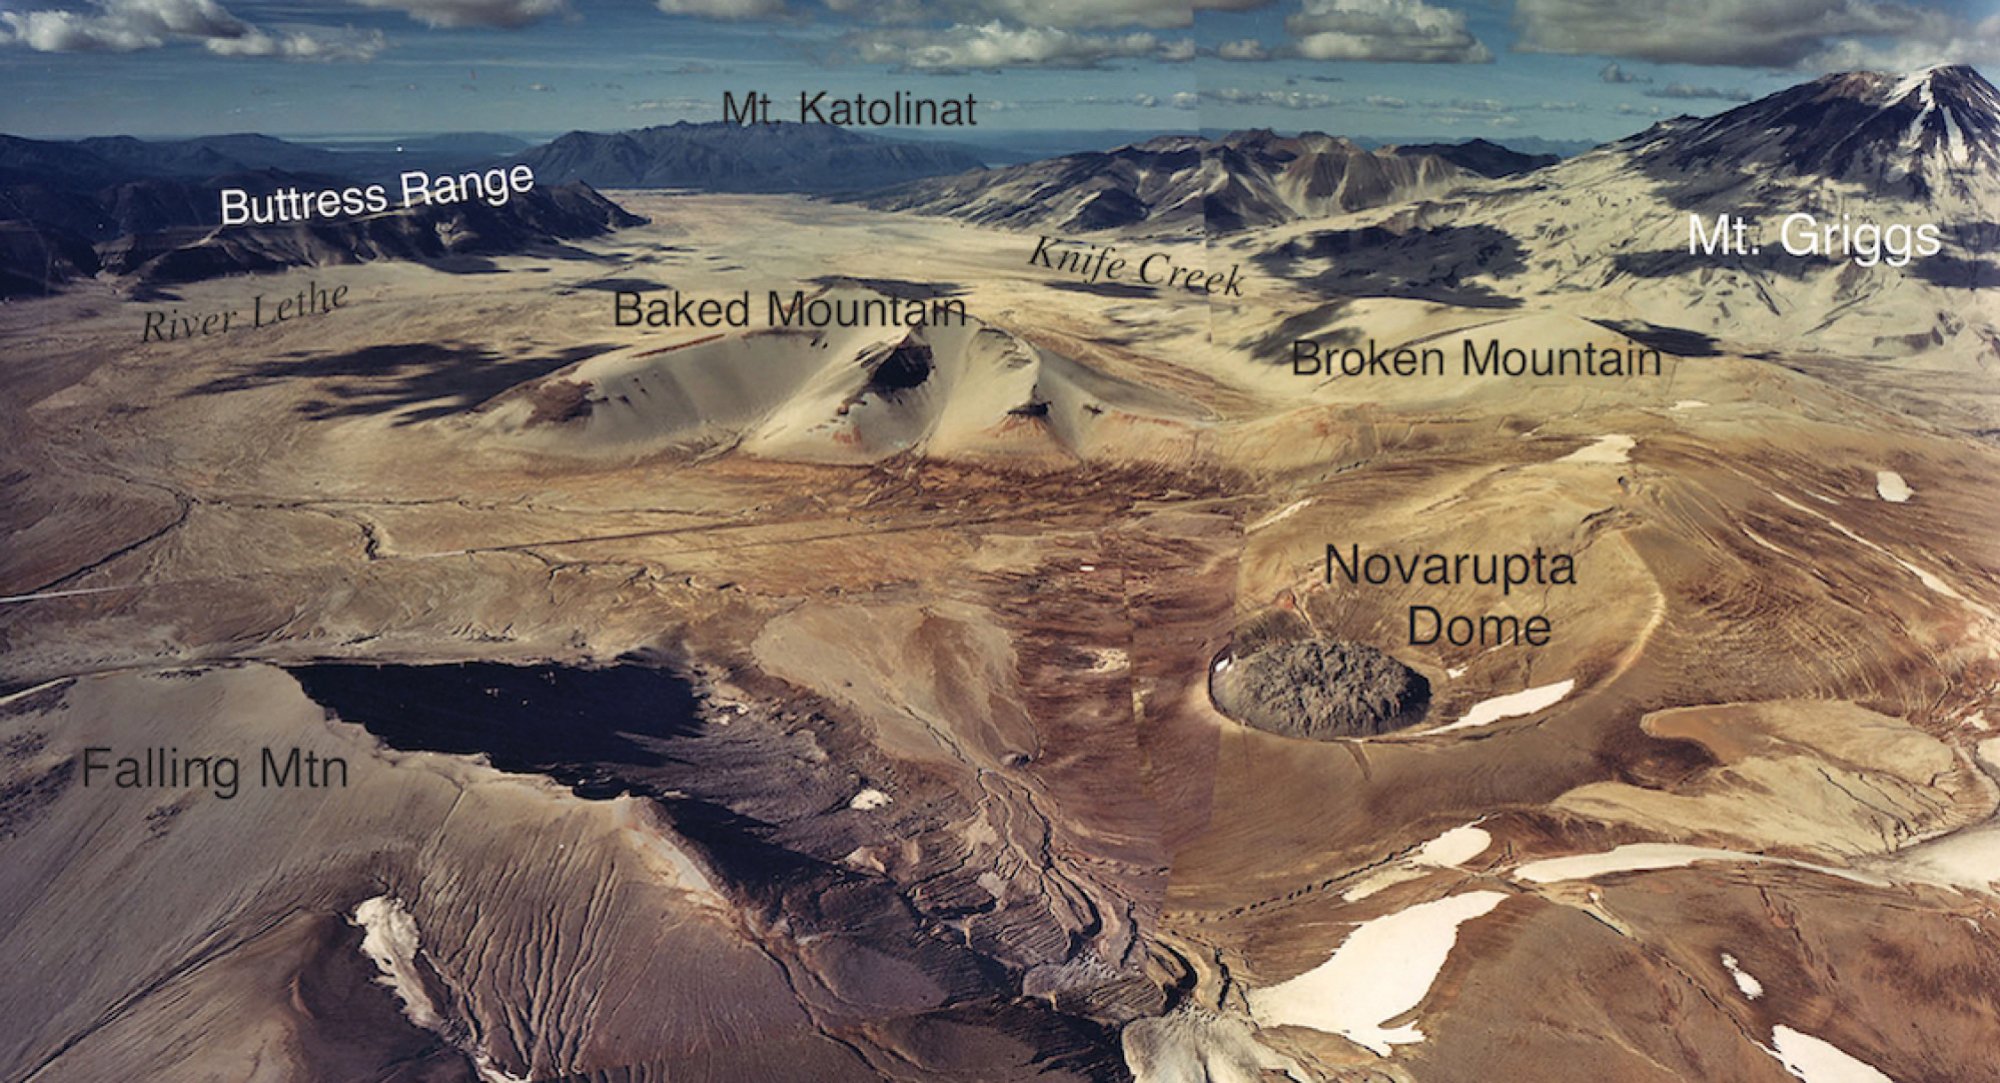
1319	689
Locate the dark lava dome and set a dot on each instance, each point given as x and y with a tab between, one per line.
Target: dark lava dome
1319	689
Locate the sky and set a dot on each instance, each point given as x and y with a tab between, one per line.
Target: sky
1504	69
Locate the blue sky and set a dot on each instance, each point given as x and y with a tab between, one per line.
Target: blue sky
1557	69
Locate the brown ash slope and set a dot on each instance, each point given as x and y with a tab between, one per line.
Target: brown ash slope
1187	183
956	805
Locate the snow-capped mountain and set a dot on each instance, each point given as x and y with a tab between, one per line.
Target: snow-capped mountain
1927	136
1837	181
1186	183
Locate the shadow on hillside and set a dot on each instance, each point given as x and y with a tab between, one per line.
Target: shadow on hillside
1448	264
419	381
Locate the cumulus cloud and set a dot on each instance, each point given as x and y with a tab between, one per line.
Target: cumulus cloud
1976	43
1696	93
1277	99
506	14
1613	73
995	45
1810	34
1245	49
722	9
1388	30
1383	101
686	106
1099	14
130	25
1143	101
72	32
296	44
1061	14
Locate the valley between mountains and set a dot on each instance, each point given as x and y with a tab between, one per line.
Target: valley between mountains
910	703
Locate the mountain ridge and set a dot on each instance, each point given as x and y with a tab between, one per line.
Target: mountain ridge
726	157
1244	180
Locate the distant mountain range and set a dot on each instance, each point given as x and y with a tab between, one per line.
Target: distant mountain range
150	210
721	157
1188	183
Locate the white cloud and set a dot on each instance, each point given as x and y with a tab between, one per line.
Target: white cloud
302	45
1384	30
130	25
72	32
507	14
1694	93
1143	101
1178	52
1613	73
690	106
1811	34
1246	49
1977	43
995	45
1061	14
1098	14
1276	99
722	9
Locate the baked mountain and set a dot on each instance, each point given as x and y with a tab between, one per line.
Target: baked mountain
150	210
725	157
1185	182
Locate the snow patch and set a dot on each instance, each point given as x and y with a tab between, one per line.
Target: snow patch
1651	856
1527	701
1936	585
1455	847
1382	970
868	799
1615	448
1690	404
1279	516
389	939
1749	986
1817	1061
1890	486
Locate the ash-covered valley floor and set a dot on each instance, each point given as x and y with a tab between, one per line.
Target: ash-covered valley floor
915	773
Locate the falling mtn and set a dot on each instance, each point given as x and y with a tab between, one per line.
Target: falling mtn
1186	183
